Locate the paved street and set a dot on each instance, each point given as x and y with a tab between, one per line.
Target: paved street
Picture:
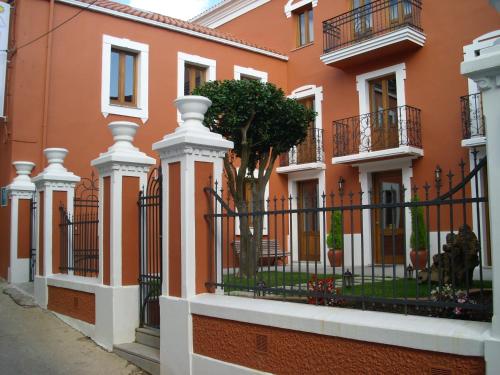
35	342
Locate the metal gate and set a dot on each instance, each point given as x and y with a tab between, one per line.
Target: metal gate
33	237
150	249
79	231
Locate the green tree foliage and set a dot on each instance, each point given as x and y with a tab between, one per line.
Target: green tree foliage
263	123
335	238
418	238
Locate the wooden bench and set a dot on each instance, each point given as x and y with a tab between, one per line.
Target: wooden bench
271	253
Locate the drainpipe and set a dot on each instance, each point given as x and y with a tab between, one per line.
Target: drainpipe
47	82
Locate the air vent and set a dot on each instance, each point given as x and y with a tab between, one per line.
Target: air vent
261	342
441	371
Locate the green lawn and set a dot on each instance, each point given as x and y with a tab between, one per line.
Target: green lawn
273	279
391	288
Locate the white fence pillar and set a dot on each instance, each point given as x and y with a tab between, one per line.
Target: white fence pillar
55	185
484	69
189	157
123	171
21	192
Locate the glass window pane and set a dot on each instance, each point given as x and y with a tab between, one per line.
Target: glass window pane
129	78
187	70
311	26
302	29
114	76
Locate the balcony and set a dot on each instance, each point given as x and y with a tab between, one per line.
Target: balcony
473	129
388	133
375	30
306	156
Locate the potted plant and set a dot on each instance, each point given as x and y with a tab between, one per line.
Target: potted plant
335	240
418	239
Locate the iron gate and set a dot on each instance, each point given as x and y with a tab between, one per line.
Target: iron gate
79	231
33	237
150	249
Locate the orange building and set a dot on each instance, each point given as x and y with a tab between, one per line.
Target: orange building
393	111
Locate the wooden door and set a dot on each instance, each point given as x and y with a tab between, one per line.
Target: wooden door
387	223
308	234
399	12
306	151
384	123
362	25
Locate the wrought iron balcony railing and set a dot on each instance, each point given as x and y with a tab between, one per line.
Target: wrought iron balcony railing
472	116
381	130
370	20
309	151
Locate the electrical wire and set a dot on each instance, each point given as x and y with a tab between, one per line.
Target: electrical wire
15	49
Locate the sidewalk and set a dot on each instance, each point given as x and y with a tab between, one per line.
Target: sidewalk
34	341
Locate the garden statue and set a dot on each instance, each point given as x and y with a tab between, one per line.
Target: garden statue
457	261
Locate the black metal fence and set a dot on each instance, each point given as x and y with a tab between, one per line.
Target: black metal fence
354	249
472	116
384	129
150	247
33	238
79	232
309	151
370	20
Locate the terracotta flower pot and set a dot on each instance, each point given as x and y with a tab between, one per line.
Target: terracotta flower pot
335	257
421	262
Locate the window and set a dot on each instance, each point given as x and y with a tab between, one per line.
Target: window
362	17
305	27
124	88
192	71
194	77
249	73
123	80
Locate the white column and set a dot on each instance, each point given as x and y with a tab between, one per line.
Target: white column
484	69
21	188
54	178
190	143
117	298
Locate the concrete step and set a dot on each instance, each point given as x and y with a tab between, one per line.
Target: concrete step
148	336
143	356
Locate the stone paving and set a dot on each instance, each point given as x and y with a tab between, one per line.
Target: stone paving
35	342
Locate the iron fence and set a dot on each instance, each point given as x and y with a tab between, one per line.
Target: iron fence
472	116
33	238
150	249
354	249
79	231
309	151
380	130
370	20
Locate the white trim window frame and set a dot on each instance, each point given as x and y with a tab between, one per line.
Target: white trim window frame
363	87
185	58
316	92
142	77
240	71
291	6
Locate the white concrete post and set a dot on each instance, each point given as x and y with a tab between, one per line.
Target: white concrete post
123	171
21	188
484	69
54	178
190	148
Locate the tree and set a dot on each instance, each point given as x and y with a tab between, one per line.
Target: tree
263	123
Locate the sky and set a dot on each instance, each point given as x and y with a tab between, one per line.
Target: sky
183	9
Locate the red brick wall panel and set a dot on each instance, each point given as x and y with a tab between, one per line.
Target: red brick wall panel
282	351
72	303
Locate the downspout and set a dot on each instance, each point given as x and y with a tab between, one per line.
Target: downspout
47	82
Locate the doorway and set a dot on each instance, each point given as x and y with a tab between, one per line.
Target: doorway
384	113
388	226
308	222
